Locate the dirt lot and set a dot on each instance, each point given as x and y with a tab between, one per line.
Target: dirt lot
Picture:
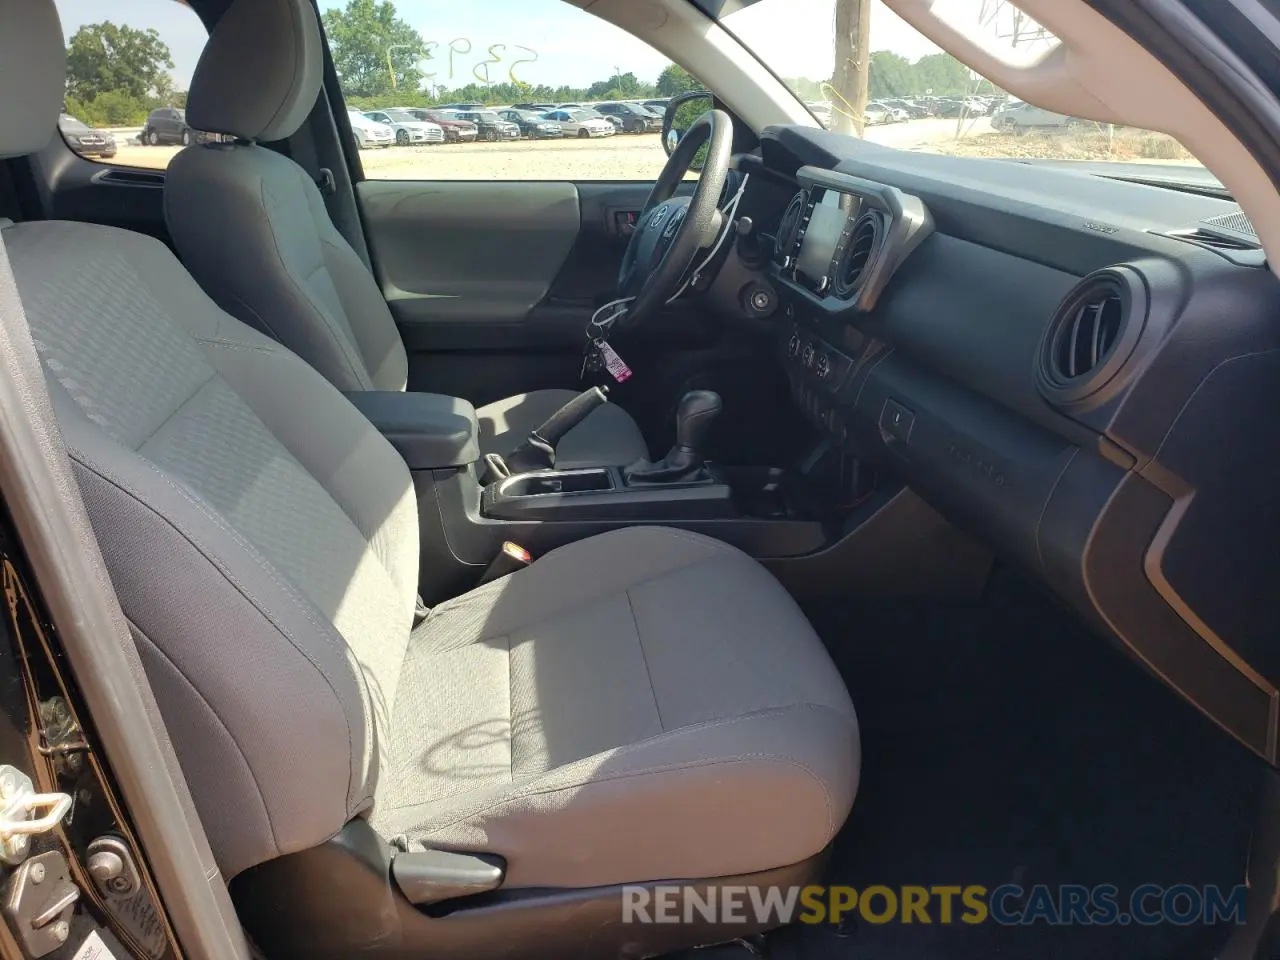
1087	143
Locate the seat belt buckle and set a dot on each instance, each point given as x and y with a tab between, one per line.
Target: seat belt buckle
510	558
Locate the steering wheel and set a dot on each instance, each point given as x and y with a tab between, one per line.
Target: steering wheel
671	230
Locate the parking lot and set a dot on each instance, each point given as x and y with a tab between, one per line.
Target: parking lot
621	157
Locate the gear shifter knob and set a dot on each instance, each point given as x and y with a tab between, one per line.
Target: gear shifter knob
683	463
697	412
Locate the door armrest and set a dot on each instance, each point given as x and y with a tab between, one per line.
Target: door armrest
429	430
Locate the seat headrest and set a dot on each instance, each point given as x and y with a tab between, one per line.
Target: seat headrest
33	75
260	73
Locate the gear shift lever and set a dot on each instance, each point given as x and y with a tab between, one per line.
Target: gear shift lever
697	412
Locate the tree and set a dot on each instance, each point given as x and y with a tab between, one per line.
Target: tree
362	39
942	73
675	80
891	75
852	66
621	86
106	58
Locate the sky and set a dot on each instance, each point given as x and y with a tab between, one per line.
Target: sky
572	47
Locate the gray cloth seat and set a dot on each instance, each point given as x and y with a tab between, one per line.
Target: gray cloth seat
645	704
252	228
632	713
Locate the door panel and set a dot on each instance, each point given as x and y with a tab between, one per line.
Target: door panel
493	283
458	253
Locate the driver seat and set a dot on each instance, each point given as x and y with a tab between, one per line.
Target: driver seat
252	228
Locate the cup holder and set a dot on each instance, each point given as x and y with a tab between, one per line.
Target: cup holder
558	482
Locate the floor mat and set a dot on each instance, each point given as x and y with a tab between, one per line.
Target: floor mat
1004	744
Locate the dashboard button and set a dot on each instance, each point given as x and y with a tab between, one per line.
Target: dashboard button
793	346
808	355
896	421
823	367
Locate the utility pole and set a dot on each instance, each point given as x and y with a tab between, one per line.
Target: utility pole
848	86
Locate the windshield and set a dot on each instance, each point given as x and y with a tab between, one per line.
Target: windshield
914	96
72	125
402	116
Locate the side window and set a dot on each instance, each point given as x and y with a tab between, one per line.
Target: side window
499	90
129	64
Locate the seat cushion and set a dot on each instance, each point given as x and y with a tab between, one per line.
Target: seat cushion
644	704
607	437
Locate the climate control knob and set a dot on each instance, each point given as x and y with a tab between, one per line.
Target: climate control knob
793	346
823	367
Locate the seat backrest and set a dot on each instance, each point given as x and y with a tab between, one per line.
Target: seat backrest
251	225
261	536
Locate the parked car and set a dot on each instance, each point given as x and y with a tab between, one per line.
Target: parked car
952	107
875	115
535	107
85	140
169	125
635	118
591	111
532	123
913	110
895	114
580	123
409	129
469	107
370	133
455	130
491	126
657	106
1020	118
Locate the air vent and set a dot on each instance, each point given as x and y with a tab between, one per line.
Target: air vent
864	242
1092	335
789	229
1218	241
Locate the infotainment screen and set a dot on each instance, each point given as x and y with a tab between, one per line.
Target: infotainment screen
832	213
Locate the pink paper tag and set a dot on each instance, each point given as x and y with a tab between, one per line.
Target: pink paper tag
616	366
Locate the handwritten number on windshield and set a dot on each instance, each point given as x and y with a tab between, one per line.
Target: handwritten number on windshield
428	53
532	58
494	57
456	46
482	70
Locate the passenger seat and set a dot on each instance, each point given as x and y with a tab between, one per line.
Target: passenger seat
644	705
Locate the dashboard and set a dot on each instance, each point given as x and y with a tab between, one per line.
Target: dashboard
1080	370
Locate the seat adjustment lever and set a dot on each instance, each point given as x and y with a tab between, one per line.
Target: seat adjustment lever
429	876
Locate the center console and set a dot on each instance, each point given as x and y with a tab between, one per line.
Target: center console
469	505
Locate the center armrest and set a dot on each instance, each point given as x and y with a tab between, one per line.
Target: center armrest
429	430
